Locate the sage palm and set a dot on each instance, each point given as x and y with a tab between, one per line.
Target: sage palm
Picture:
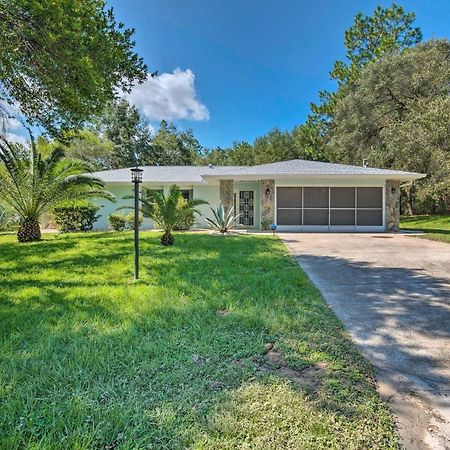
31	184
167	211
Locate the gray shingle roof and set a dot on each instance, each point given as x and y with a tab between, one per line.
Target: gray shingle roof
303	167
164	174
295	167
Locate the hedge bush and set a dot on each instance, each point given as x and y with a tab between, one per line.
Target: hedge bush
186	223
75	216
121	222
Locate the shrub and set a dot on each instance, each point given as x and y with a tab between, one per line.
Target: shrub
223	220
75	216
121	222
186	223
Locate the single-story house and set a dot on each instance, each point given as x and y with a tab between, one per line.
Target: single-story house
296	195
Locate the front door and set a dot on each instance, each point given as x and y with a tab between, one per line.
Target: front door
247	208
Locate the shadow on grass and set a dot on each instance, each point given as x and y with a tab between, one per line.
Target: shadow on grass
91	359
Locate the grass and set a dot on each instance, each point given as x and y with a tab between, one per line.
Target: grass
436	228
92	360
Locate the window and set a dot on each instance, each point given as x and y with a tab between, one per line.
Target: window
187	194
148	193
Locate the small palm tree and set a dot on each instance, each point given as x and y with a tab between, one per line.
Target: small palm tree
31	184
169	211
223	220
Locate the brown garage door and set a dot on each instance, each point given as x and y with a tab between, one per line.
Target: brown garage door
331	207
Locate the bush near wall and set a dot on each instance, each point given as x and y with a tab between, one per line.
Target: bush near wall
75	216
121	222
186	223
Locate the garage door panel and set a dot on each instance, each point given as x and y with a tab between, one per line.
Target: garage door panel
289	197
369	217
342	217
289	216
342	197
315	197
315	217
370	197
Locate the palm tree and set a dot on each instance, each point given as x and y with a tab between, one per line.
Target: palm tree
31	184
169	211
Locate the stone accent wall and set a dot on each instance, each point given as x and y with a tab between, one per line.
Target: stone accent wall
267	203
392	205
226	193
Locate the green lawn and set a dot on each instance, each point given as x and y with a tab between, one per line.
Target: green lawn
180	359
436	228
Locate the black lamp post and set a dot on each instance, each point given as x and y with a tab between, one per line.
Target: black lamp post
136	178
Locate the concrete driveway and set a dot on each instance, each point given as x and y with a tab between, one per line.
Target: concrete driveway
392	292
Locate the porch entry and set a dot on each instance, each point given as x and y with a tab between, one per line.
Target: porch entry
330	208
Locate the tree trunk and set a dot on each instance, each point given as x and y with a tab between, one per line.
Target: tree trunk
409	200
29	230
167	239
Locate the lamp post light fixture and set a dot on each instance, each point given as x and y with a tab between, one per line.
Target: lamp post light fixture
136	178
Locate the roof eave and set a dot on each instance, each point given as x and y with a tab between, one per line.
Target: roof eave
409	176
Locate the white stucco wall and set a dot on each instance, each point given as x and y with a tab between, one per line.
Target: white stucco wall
106	207
209	193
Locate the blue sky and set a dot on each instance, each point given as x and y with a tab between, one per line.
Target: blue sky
246	66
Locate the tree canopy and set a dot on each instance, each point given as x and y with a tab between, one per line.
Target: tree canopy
174	147
62	61
370	37
123	125
397	115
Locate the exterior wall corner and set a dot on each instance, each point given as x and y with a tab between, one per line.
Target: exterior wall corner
227	193
267	196
392	205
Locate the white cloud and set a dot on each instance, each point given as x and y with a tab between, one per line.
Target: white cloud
11	127
169	96
16	138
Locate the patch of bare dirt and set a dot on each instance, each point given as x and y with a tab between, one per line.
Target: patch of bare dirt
274	362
